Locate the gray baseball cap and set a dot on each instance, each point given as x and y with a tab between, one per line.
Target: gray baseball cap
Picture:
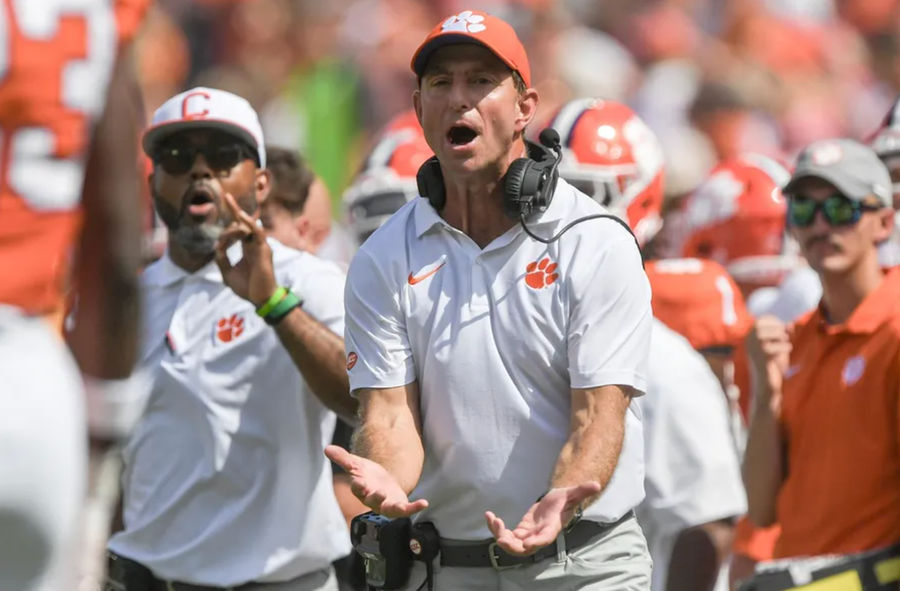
852	167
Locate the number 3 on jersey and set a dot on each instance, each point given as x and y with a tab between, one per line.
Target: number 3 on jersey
47	105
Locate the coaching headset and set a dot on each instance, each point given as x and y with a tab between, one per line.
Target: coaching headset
528	186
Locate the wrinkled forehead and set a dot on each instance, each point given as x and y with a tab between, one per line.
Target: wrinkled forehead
464	57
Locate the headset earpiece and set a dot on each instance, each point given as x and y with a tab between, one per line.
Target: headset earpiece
430	182
518	187
530	182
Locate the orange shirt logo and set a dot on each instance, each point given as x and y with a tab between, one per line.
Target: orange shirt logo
541	274
229	328
413	279
351	360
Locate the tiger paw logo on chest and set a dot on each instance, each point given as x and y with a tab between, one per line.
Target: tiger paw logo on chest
464	22
540	274
853	370
229	328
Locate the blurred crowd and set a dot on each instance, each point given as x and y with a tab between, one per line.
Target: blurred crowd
712	78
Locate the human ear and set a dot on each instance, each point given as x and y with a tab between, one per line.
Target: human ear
263	183
526	108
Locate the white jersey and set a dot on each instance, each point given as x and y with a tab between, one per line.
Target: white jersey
225	478
496	339
693	469
800	292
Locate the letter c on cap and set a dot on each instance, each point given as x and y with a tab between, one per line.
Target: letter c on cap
187	113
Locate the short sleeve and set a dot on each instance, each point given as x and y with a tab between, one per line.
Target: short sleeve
609	318
378	349
323	295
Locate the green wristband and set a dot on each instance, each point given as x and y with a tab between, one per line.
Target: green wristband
290	301
273	301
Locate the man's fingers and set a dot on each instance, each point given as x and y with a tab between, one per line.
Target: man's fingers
416	506
494	523
394	509
221	256
341	457
244	218
233	207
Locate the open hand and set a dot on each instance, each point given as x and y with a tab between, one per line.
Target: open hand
544	520
373	485
253	278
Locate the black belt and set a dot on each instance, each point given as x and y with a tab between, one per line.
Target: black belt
488	553
125	574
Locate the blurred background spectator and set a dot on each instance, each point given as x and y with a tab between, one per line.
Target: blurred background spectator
712	78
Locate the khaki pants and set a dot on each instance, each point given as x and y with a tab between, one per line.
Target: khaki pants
616	560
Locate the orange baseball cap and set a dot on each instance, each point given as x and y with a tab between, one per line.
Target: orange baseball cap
474	26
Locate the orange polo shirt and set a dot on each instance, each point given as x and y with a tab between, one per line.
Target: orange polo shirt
841	424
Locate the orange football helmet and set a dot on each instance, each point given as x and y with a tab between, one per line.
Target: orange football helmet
611	155
737	218
698	299
387	180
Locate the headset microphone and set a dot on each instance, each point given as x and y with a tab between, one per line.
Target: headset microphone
529	185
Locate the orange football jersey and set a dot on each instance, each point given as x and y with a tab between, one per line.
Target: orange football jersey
699	300
55	66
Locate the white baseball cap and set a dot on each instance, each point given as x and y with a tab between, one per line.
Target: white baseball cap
206	108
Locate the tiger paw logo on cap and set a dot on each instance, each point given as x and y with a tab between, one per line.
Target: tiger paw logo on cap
826	154
464	22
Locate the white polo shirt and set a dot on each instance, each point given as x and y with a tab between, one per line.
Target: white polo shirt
693	468
496	339
225	479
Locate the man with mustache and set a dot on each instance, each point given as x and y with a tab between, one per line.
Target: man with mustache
823	458
497	373
225	483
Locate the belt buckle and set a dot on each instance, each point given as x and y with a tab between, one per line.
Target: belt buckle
492	547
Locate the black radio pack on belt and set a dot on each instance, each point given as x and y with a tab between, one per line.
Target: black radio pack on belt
388	547
528	186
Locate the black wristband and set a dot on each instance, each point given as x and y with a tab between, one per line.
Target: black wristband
290	301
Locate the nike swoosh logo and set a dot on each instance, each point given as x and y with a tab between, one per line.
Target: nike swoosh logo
413	279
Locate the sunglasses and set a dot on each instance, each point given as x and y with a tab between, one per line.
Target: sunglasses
177	159
838	210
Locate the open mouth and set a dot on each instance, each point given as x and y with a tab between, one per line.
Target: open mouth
460	135
201	202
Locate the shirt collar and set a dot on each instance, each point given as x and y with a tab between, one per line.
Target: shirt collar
165	272
426	217
872	312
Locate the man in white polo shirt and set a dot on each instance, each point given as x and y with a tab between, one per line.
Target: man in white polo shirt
496	373
225	483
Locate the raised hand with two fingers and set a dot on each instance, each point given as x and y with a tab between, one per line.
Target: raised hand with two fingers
253	277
